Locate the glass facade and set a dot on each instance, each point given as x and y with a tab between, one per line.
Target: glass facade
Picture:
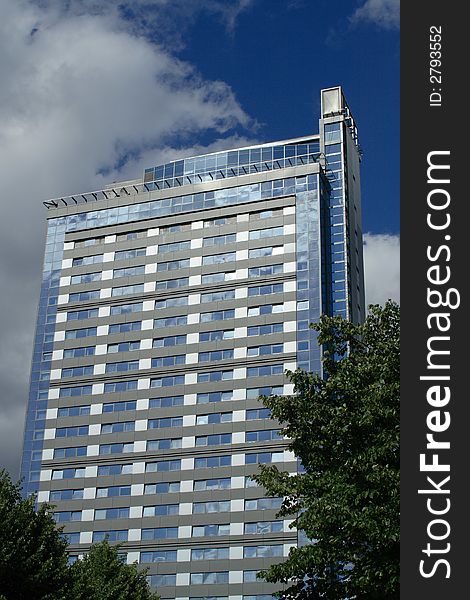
203	298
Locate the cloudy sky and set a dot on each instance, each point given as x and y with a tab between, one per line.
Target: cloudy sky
94	91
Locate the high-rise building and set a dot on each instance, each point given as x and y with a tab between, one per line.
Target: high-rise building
168	305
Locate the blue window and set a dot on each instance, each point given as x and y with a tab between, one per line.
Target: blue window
125	290
211	418
258	413
264	527
85	278
121	367
263	552
264	435
79	352
258	234
129	271
161	510
263	458
220	240
119	406
217	259
170	322
265	350
205	398
265	371
167	381
215	355
82	296
214	376
171	302
128	254
160	533
165	444
265	270
263	504
123	347
211	462
202	508
113	491
219	315
262	290
174	247
116	448
265	309
169	361
215	336
77	371
173	265
125	327
73	411
218	296
56	495
78	315
166	402
158	556
111	513
214	440
75	334
173	340
265	329
165	422
163	465
120	386
171	284
124	309
61	432
118	427
104	470
113	535
70	452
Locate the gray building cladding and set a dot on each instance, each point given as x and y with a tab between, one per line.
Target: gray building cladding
168	305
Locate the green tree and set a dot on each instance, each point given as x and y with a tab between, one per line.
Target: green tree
34	560
101	575
33	557
344	427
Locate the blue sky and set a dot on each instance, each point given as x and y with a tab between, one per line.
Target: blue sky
278	55
94	91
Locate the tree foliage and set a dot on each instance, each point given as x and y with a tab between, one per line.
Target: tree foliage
33	558
102	575
344	428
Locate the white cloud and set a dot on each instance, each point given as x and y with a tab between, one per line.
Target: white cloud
81	94
383	13
382	267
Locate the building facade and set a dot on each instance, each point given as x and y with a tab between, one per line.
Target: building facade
168	305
